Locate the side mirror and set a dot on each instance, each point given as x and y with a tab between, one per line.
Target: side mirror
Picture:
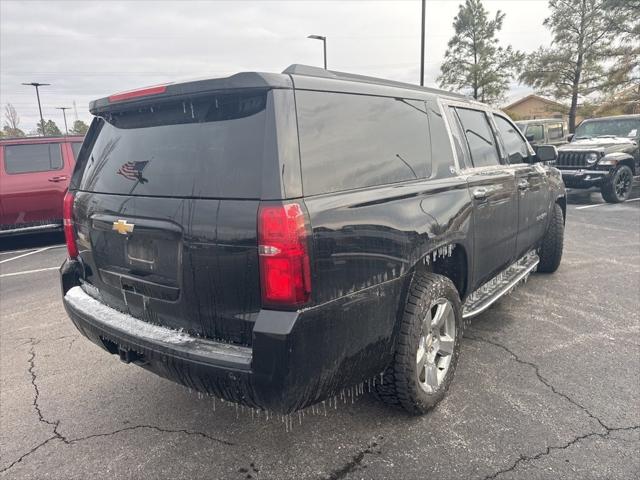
569	137
529	138
546	153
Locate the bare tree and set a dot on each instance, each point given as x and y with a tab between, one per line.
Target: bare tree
12	122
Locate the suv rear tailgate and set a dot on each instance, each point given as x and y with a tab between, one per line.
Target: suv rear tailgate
166	210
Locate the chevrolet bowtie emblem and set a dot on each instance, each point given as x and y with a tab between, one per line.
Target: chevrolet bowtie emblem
122	227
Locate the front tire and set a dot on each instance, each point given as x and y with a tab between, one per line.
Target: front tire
428	346
617	188
550	251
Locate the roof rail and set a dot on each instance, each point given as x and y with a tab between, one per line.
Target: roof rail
307	70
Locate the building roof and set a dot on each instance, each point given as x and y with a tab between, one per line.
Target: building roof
533	96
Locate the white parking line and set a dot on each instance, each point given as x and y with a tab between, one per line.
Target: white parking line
26	254
12	252
28	271
601	204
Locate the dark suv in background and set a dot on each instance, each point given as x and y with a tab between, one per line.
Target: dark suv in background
273	239
603	153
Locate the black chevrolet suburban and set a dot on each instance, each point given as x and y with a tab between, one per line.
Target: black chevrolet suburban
275	239
604	153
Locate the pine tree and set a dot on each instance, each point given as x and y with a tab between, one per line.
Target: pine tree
79	128
583	34
50	128
474	62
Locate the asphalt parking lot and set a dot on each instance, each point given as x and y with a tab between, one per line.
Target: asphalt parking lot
548	386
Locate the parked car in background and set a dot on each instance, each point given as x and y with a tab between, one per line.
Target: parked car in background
544	131
274	239
34	176
604	153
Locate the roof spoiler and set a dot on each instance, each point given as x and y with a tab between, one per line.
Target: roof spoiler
239	81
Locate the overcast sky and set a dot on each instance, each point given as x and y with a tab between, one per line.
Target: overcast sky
87	50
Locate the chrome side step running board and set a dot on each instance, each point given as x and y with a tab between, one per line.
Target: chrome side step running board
500	285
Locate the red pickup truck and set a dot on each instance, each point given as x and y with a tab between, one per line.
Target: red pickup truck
34	176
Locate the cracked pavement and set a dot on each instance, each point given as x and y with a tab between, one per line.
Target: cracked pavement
548	386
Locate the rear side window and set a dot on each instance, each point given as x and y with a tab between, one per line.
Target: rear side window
479	137
353	141
76	146
516	147
206	147
556	131
39	157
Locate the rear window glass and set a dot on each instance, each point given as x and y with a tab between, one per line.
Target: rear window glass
206	147
352	141
39	157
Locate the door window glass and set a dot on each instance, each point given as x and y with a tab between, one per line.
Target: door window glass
38	157
535	131
516	147
479	137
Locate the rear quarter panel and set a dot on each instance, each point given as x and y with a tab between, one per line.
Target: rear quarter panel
366	245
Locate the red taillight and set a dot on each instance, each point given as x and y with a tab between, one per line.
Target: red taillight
142	92
67	219
285	274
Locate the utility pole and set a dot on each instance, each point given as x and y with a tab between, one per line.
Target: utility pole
64	114
36	84
422	45
324	45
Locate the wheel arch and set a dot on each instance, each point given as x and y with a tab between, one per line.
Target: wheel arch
454	266
562	202
629	162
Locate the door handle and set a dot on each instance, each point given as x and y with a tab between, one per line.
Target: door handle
480	193
523	184
60	178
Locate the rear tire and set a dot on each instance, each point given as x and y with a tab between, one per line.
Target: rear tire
428	346
617	188
550	251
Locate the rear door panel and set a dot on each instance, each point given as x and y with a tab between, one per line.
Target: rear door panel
495	220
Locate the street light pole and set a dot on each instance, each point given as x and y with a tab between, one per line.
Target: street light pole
422	45
36	84
324	46
64	115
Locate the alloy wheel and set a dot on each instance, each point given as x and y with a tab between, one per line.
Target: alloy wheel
436	345
622	184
